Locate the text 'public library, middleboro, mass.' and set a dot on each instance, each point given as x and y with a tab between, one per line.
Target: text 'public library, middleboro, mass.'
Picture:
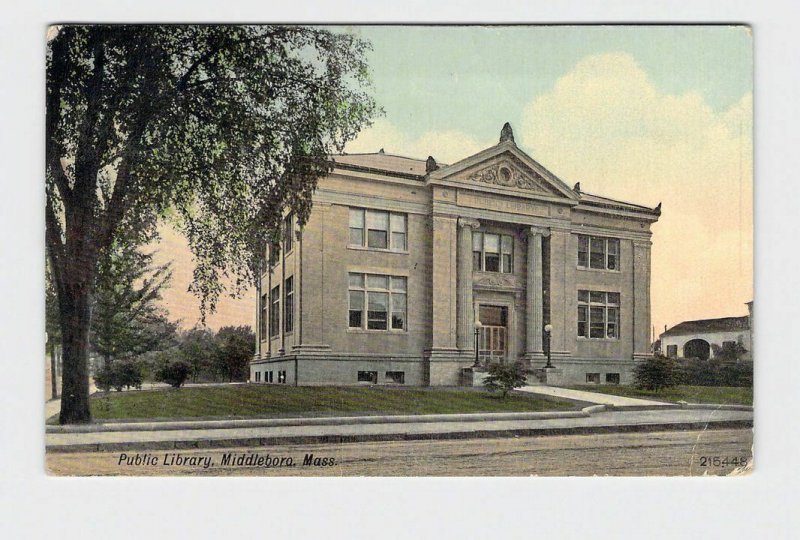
405	265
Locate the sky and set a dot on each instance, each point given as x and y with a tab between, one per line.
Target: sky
646	114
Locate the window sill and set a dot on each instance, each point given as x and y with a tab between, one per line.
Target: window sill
600	270
581	338
378	250
365	331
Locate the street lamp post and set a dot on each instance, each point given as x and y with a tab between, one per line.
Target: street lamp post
547	329
478	326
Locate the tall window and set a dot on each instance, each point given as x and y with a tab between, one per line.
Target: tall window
275	311
288	233
598	253
377	302
264	315
288	305
378	230
492	252
598	315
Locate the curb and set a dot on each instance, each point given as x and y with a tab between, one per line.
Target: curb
339	439
320	421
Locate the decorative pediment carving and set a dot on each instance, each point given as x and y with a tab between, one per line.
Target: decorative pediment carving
506	175
496	281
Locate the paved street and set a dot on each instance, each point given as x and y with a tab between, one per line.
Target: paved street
672	453
353	431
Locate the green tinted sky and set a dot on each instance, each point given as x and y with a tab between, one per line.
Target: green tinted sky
474	78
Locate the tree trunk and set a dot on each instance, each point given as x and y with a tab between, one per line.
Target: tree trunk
75	307
53	371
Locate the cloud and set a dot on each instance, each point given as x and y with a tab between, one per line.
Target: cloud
606	125
446	146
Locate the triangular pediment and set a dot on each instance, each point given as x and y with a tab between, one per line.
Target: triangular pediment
504	168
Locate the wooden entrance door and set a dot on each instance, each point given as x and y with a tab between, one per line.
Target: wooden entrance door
493	335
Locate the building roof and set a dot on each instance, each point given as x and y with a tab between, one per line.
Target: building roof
597	200
382	162
725	324
413	168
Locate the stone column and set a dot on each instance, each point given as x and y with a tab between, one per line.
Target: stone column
535	316
641	299
466	310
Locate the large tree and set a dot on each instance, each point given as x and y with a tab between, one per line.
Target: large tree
221	127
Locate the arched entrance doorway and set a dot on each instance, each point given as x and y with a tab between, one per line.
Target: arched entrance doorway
697	348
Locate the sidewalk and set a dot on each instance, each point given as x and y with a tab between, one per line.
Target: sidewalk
593	397
595	420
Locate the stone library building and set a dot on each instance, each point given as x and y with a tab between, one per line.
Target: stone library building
413	272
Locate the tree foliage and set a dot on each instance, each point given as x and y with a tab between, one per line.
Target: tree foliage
198	348
174	373
505	377
220	128
127	320
235	346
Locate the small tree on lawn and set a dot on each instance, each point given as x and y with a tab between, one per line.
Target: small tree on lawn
505	377
173	373
235	346
655	373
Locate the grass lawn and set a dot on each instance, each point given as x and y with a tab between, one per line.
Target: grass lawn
734	395
268	401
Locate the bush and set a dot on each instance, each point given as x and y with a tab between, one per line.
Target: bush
505	377
655	373
715	373
118	375
174	373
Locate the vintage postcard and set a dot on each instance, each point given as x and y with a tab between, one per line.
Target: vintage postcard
438	250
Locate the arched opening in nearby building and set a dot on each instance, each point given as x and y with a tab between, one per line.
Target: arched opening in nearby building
697	348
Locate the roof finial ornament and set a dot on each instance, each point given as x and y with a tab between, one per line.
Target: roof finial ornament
430	165
657	209
577	188
507	134
380	151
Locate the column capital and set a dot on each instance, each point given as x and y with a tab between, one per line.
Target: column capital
542	231
467	222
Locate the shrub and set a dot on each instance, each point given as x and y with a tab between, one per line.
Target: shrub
119	374
505	377
174	373
655	373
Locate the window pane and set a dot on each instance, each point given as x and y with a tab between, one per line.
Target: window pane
355	320
399	241
357	300
477	241
377	311
583	296
375	281
492	262
597	323
356	237
507	263
583	243
377	301
377	220
613	298
581	313
398	223
598	297
508	243
356	218
613	246
597	257
491	243
476	260
612	262
398	283
377	239
398	311
356	280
